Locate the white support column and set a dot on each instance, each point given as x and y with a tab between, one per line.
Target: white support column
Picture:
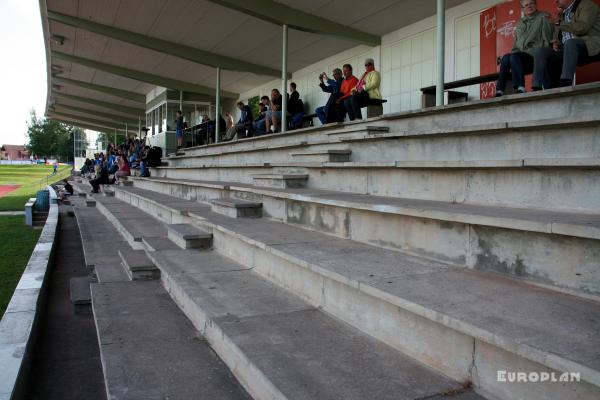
217	104
284	63
441	38
181	100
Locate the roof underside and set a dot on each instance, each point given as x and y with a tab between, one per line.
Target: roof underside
207	26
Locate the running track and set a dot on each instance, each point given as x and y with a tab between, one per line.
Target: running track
5	189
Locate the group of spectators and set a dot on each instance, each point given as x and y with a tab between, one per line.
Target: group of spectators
348	94
269	117
118	161
551	46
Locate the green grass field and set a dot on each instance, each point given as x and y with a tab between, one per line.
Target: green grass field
16	244
31	178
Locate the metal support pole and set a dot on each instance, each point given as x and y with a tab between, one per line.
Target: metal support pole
441	37
115	137
126	132
140	126
284	80
217	105
181	100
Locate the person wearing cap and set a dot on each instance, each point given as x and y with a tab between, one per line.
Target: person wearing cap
366	89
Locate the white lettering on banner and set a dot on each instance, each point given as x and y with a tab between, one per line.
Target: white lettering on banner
507	29
489	25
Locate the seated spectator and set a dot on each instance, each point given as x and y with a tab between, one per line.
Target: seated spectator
366	89
578	22
274	113
326	113
349	82
124	169
144	172
244	123
258	126
295	107
68	188
101	178
532	32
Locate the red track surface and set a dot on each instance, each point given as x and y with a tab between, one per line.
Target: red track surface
5	189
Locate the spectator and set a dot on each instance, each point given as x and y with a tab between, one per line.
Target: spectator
579	24
179	128
366	89
68	188
532	32
124	169
326	113
295	107
101	178
144	172
274	113
349	82
258	125
244	123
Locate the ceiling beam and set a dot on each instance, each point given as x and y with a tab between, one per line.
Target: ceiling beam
280	14
100	103
141	76
124	94
185	52
92	121
98	114
84	125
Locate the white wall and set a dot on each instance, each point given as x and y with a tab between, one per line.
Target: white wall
406	59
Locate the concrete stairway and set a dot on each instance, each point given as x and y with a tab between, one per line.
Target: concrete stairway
278	344
466	324
148	348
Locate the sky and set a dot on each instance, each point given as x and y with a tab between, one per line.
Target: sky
22	69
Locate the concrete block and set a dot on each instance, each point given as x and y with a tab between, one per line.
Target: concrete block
90	203
281	181
138	266
329	155
187	236
158	244
79	293
82	194
236	208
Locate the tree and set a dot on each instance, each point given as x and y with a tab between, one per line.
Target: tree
49	138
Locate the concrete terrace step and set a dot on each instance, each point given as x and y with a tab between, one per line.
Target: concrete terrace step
329	155
138	266
490	238
583	225
425	309
189	237
532	163
150	350
158	244
237	208
279	346
282	181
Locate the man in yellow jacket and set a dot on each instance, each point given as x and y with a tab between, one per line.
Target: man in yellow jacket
366	89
